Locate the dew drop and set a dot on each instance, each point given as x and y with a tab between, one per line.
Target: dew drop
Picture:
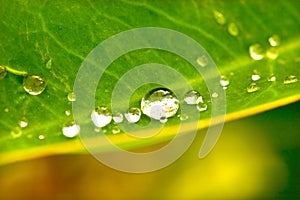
202	106
224	82
23	122
290	79
272	78
16	132
118	117
115	130
33	84
183	117
71	96
274	40
255	76
214	95
133	115
41	137
193	97
233	29
68	112
252	87
272	53
219	17
70	129
256	51
101	116
160	103
202	61
3	72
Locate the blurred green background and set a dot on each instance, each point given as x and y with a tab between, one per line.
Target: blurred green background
256	158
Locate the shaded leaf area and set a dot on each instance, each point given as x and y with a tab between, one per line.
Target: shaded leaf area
52	38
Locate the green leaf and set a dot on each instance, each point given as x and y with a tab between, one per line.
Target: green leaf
52	38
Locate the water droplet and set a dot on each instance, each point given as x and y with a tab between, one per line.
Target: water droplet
133	115
101	116
272	53
23	122
68	112
252	88
255	76
33	84
193	97
256	51
224	82
214	95
233	29
71	96
274	40
118	117
290	79
160	103
183	117
202	60
115	130
219	17
202	106
6	110
70	129
163	119
41	137
3	72
16	132
49	63
272	78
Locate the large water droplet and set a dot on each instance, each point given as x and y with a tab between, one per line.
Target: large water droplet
160	103
16	132
101	116
219	17
272	53
256	51
3	72
70	129
224	82
34	84
118	117
290	79
252	88
274	40
202	106
202	60
233	29
23	122
133	115
71	96
193	97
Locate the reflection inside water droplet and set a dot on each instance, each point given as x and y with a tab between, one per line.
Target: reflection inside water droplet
33	84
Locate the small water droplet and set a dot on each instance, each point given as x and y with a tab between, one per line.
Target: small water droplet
41	137
3	72
256	51
274	40
224	82
16	132
49	63
133	115
71	96
23	122
272	78
290	79
70	129
183	117
233	29
163	119
160	103
202	106
272	53
33	84
255	76
214	95
101	116
193	97
115	130
68	112
202	60
118	117
219	17
252	87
